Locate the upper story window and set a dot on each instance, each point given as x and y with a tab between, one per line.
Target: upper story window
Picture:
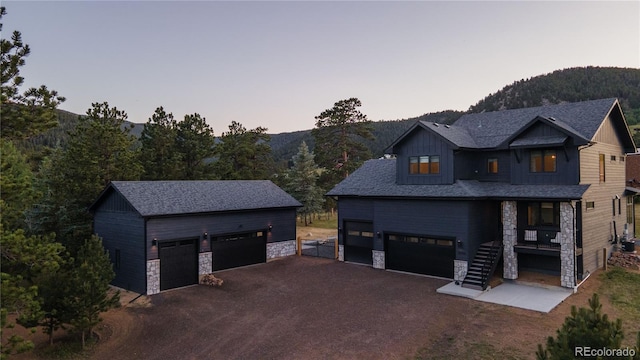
492	165
426	164
543	161
601	162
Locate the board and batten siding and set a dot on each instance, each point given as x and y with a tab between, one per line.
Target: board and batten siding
422	142
473	165
353	209
283	222
597	223
122	230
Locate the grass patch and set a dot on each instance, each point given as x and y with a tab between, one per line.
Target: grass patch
325	221
69	347
622	288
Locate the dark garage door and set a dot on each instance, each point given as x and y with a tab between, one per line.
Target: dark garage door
420	254
178	264
239	250
358	242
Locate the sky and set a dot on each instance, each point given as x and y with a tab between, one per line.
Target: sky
280	64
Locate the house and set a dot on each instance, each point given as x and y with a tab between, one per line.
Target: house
633	182
537	189
164	234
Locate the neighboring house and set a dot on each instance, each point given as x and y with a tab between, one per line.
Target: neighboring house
164	234
633	182
544	187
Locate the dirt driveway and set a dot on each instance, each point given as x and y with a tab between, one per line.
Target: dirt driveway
302	307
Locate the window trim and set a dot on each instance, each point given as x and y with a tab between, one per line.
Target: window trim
493	165
424	165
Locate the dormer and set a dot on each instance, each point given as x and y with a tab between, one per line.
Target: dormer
425	153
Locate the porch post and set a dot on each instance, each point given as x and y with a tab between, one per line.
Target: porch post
567	246
509	239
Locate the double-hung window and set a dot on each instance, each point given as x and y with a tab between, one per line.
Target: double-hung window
425	164
543	161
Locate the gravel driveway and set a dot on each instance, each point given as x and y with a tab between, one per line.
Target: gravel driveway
309	308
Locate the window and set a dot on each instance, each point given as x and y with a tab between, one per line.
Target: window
543	161
426	164
543	214
613	158
492	166
601	167
622	158
591	205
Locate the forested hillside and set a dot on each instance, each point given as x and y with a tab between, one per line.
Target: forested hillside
568	85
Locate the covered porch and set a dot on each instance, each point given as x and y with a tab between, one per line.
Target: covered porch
540	237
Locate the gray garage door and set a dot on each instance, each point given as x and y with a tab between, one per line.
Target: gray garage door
235	250
178	264
358	242
420	254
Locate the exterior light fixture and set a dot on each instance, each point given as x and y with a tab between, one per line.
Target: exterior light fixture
154	242
205	234
270	228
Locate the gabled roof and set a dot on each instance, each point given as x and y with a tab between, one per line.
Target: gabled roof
377	178
550	140
492	130
158	198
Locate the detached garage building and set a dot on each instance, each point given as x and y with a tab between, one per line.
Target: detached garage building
164	234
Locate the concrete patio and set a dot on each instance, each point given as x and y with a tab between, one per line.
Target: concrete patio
536	298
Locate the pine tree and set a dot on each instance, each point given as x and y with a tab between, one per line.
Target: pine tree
89	286
159	155
339	135
583	328
302	182
243	154
195	143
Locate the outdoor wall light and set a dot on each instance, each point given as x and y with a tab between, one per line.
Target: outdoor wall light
379	235
270	228
205	234
154	242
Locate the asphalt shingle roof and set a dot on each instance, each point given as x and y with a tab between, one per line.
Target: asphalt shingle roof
377	178
490	129
157	198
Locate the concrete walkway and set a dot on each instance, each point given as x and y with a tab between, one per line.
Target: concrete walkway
511	294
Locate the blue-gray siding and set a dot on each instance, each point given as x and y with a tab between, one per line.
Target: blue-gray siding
466	221
424	143
473	165
121	228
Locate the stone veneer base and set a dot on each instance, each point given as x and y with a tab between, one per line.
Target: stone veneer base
460	268
340	252
205	263
153	277
281	249
378	259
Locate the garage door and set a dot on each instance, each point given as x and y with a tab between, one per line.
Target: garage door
420	254
358	242
178	264
235	250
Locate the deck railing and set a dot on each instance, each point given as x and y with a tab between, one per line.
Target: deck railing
539	239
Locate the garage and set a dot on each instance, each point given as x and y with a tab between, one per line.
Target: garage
179	264
420	254
358	242
236	250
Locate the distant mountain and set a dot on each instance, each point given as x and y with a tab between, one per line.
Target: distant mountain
568	85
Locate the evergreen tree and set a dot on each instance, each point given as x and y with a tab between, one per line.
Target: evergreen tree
195	143
159	156
302	183
100	150
583	328
30	113
339	135
243	154
16	184
89	286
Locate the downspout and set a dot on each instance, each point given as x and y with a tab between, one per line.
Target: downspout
146	256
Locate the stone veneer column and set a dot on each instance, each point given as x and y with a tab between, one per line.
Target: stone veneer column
378	259
460	268
153	277
281	249
205	263
567	248
510	239
340	252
